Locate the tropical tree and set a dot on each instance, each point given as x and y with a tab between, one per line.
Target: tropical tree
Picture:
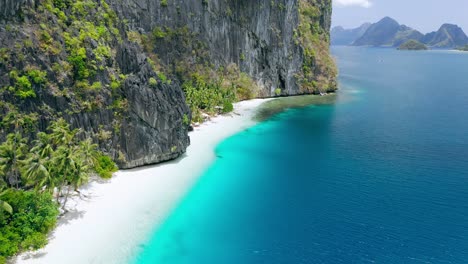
35	170
57	161
67	167
42	145
19	122
89	152
12	152
61	134
4	206
13	119
81	174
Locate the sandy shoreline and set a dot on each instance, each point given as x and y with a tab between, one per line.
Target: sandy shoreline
112	218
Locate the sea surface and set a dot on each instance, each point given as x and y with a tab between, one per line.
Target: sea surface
379	174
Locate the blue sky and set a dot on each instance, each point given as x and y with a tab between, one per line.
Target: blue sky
423	15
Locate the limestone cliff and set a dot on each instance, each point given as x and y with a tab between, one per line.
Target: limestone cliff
79	60
262	37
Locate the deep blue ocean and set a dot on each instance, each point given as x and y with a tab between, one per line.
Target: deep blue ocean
378	176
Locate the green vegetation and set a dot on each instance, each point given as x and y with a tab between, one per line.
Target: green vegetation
56	160
88	29
37	76
163	78
464	48
158	33
228	107
203	95
4	206
152	82
78	60
412	45
242	57
66	51
101	30
104	166
23	84
277	91
209	90
33	172
186	120
77	40
315	42
26	228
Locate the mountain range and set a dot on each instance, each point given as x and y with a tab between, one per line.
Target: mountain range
342	36
389	33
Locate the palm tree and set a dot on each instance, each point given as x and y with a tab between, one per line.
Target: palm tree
42	145
36	170
4	206
89	152
63	160
69	169
61	134
13	119
11	154
81	175
59	167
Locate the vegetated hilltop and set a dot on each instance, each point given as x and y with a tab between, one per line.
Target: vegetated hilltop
389	33
448	36
412	45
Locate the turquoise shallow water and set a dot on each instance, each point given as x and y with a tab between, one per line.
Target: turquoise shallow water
378	176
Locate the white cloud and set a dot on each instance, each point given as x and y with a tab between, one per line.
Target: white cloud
345	3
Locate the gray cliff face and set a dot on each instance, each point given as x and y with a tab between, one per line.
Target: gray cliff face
10	8
149	128
134	115
154	131
257	35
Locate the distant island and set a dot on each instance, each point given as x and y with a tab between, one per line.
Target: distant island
412	45
389	33
464	48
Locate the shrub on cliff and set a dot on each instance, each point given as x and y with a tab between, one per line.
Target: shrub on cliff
318	69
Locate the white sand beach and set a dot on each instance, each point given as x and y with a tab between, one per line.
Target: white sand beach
113	218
